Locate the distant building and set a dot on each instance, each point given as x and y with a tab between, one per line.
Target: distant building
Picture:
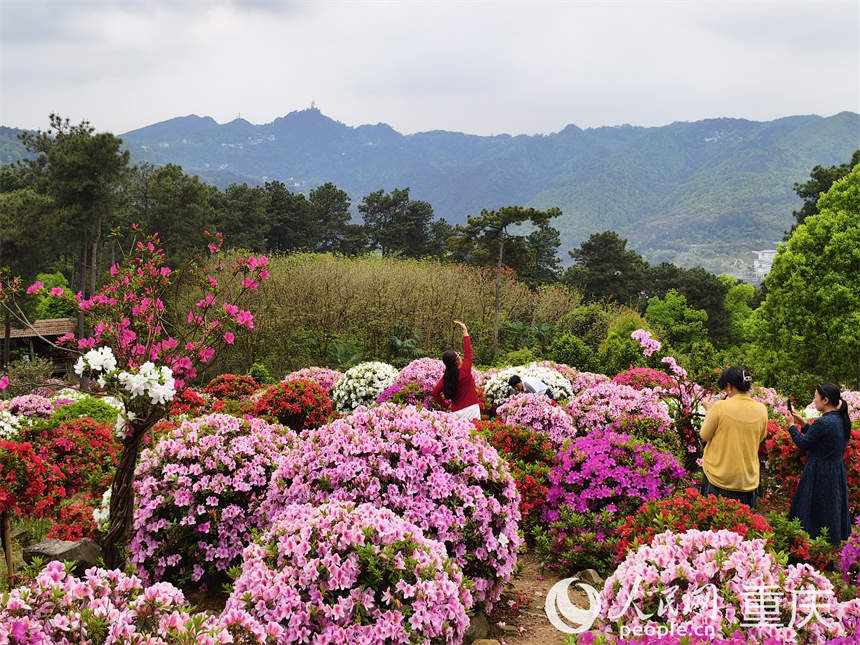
762	263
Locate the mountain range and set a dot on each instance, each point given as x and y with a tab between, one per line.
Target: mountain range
694	193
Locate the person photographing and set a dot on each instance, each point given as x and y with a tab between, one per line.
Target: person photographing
529	384
821	499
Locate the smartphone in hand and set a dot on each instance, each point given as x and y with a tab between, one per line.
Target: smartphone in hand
788	403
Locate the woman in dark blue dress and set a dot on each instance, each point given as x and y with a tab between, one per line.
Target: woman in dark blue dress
821	500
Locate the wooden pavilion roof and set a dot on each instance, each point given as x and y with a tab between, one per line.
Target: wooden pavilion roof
49	328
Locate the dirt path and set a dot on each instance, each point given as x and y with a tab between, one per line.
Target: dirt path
535	585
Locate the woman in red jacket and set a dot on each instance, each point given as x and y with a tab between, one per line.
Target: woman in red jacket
457	385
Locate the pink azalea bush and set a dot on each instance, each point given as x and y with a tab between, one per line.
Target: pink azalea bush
538	413
111	607
707	580
32	405
852	398
424	465
606	403
586	380
341	573
642	377
322	376
771	398
199	491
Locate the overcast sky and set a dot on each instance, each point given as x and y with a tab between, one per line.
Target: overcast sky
480	67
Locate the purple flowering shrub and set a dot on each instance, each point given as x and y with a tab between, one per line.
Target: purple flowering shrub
707	580
32	405
322	376
849	559
111	607
539	413
199	492
425	466
595	482
341	573
606	403
610	470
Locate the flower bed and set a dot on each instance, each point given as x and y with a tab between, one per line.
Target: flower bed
231	386
199	491
604	404
322	376
707	580
32	405
361	385
188	402
297	404
538	413
341	573
424	465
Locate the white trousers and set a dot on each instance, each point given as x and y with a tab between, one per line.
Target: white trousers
472	413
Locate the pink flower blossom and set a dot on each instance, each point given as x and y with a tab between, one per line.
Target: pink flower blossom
57	291
229	338
36	286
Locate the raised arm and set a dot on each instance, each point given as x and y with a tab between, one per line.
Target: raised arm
467	347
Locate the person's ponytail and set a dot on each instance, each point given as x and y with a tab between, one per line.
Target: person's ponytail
452	375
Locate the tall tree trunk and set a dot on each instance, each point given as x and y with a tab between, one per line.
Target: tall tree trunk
7	334
498	295
82	287
94	257
122	499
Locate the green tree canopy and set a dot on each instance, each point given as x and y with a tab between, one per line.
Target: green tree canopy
603	267
821	178
396	224
680	324
809	322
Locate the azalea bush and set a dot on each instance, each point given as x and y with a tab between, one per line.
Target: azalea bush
74	520
32	406
706	580
341	573
607	403
689	510
530	455
595	482
187	402
231	386
297	404
72	404
84	451
199	491
849	558
643	377
322	376
10	425
497	390
539	413
103	606
361	385
427	467
586	380
28	482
